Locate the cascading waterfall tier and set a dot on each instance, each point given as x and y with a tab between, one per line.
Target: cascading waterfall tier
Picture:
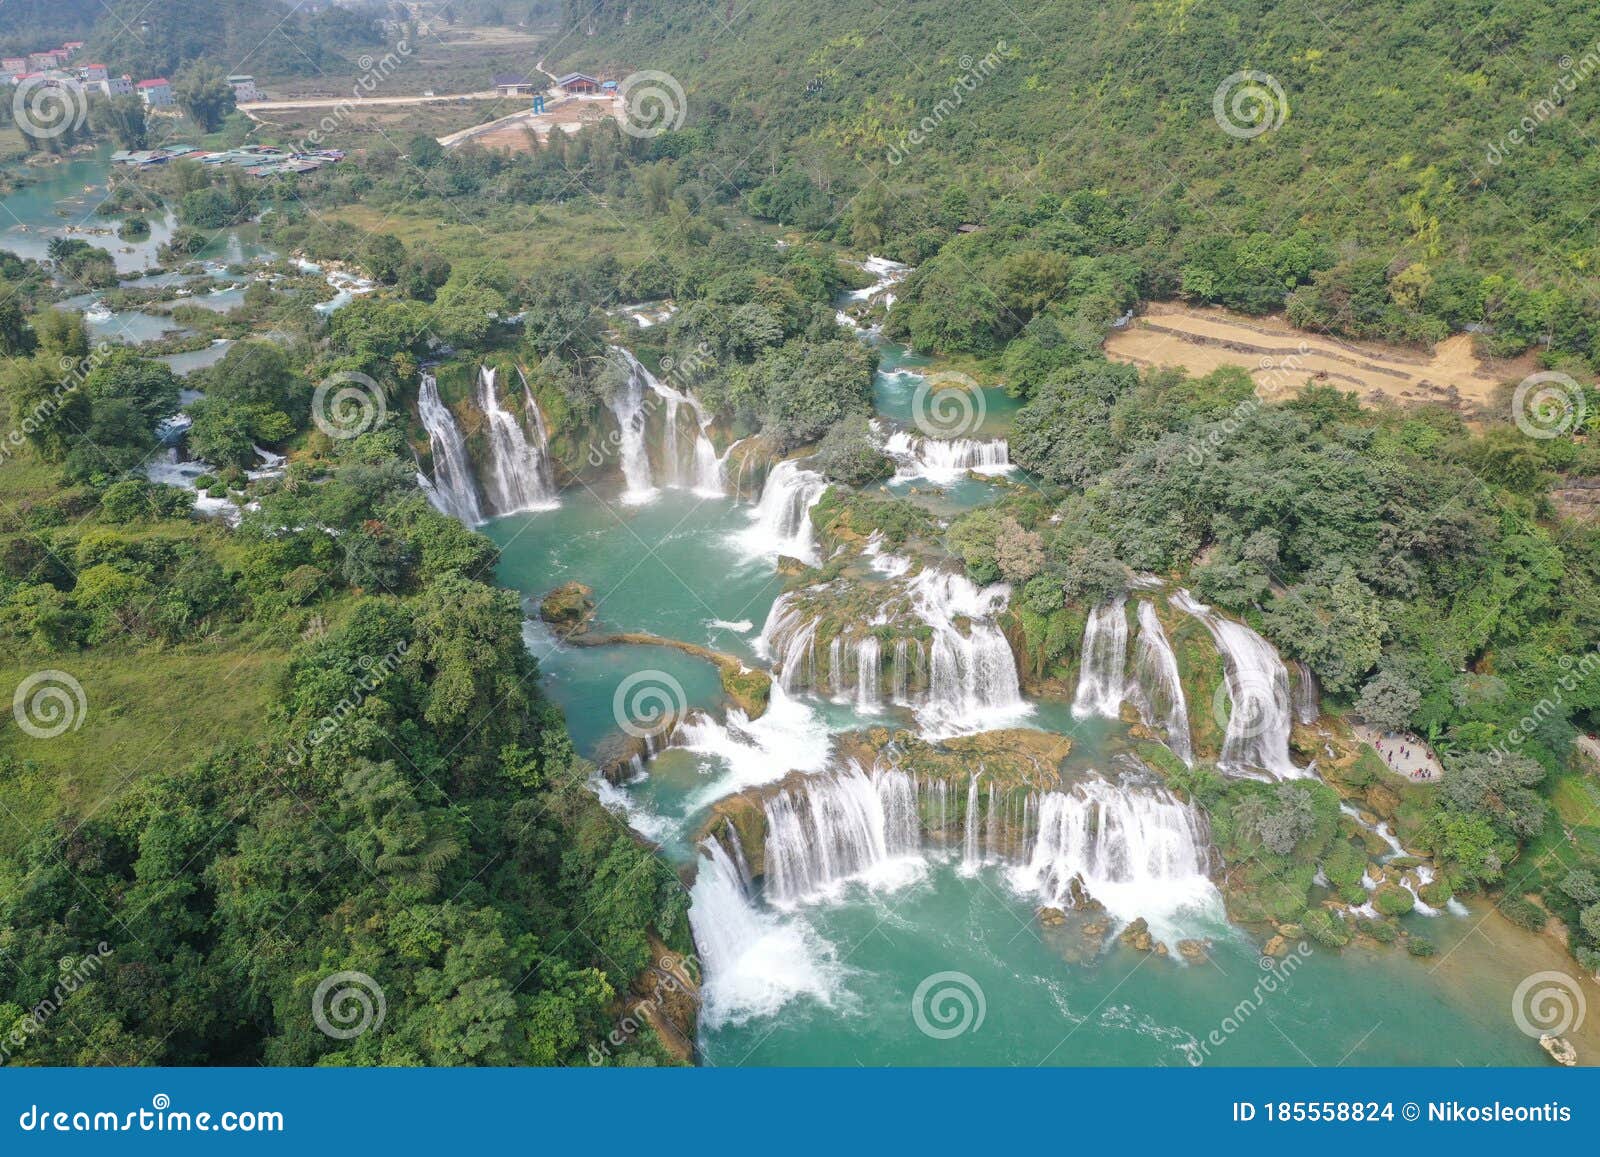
781	521
931	638
1157	689
1103	662
1139	851
847	825
518	475
946	460
1258	689
453	490
972	674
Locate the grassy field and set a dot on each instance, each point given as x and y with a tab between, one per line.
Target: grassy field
525	237
142	713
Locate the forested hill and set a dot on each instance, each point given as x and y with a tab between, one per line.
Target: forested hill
268	37
1430	163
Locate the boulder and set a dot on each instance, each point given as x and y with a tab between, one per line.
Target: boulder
1192	950
1052	917
1137	936
568	608
1079	899
1277	946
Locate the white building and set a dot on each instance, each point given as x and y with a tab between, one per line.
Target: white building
244	89
155	92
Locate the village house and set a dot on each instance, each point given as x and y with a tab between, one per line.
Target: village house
155	92
15	65
579	82
244	88
117	85
94	73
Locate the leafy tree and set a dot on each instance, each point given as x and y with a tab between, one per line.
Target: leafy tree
204	93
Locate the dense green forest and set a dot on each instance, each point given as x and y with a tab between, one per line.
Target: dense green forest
1419	167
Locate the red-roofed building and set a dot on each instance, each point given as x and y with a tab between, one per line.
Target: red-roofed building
15	65
155	92
94	72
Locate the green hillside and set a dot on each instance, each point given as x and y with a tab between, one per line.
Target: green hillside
1397	183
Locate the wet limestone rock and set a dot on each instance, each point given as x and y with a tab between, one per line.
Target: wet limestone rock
1052	917
1277	946
568	608
1137	936
1193	951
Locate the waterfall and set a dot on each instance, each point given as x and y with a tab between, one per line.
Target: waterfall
1258	688
518	470
1157	689
705	471
454	492
788	640
1140	852
869	653
781	521
754	961
946	460
971	857
1103	662
627	404
842	826
972	678
1306	708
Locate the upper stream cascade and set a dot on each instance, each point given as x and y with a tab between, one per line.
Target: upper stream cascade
516	475
688	459
945	460
452	490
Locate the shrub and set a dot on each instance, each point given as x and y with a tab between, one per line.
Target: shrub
1393	900
1523	912
1325	928
1420	946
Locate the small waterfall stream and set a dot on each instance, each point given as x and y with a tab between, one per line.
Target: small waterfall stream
1157	690
627	404
453	490
1258	688
519	476
1103	669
